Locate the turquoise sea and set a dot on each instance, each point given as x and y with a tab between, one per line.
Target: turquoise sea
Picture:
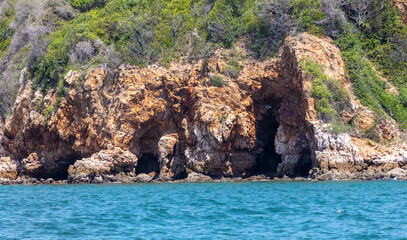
275	210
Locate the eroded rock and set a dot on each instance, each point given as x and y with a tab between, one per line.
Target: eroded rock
113	161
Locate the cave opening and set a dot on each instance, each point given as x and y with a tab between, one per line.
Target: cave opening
266	129
304	164
59	171
148	163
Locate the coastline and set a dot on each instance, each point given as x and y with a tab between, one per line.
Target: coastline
394	174
154	124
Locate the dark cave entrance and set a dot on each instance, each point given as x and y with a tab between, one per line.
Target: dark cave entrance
266	129
304	164
58	171
148	163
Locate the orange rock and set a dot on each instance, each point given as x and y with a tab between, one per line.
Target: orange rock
402	7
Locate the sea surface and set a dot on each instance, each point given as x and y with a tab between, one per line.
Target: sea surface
275	210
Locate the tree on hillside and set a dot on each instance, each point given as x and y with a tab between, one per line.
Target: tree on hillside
276	18
357	10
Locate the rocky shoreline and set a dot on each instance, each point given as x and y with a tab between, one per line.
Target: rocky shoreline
394	174
156	124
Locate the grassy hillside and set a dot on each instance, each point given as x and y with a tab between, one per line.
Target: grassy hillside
52	37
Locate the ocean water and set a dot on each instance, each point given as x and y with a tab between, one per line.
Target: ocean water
275	210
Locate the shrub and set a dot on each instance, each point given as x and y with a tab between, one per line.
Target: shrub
5	31
141	36
86	5
308	14
218	81
339	127
232	69
266	32
368	85
47	112
331	98
224	22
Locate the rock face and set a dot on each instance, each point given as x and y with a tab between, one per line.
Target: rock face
301	140
402	7
335	152
8	167
140	124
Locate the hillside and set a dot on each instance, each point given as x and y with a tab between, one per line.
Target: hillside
94	89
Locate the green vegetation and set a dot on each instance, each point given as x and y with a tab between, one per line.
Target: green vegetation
232	69
307	14
331	98
368	85
5	31
218	81
140	32
47	112
375	51
85	5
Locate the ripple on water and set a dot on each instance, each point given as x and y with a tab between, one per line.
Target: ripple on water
293	210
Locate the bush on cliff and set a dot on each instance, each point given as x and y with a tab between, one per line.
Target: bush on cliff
331	98
85	5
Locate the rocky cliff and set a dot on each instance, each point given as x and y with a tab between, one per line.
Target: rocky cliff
190	121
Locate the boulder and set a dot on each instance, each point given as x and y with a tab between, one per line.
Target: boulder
113	161
8	168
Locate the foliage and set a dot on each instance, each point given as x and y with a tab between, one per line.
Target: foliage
218	81
5	31
225	25
307	14
331	98
232	69
368	85
47	112
86	5
340	127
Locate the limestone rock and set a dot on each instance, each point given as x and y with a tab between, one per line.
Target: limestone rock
143	178
2	150
106	162
335	151
198	177
388	130
171	165
365	119
398	173
301	140
8	168
31	165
